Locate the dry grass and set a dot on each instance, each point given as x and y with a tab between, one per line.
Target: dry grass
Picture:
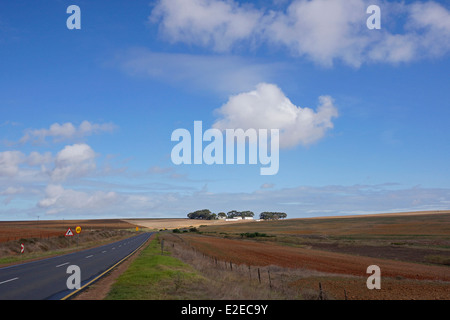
242	281
225	280
36	248
160	224
44	229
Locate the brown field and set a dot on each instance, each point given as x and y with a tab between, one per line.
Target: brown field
159	224
412	251
265	254
16	230
47	238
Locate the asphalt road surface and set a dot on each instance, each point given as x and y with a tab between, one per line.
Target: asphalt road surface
47	278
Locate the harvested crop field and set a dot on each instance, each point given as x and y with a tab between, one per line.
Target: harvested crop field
264	254
400	280
412	251
15	230
47	238
174	223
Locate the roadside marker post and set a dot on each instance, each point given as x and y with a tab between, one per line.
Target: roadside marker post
78	231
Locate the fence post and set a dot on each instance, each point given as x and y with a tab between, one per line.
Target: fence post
270	282
320	292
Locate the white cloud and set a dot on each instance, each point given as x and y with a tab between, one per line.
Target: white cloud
57	199
66	131
219	24
160	170
9	163
321	30
17	167
267	107
10	192
223	74
73	161
38	159
309	201
432	21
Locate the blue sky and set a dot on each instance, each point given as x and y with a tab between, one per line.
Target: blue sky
86	115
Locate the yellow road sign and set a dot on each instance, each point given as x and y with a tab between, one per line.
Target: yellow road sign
78	229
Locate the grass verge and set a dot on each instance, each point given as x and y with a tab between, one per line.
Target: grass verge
157	276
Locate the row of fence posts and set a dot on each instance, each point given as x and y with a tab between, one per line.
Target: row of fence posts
216	261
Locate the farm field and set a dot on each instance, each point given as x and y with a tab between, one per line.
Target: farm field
284	259
158	224
47	237
412	251
15	230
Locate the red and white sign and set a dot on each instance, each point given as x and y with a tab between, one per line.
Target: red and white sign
22	248
69	233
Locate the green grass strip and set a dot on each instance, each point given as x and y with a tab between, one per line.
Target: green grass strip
153	276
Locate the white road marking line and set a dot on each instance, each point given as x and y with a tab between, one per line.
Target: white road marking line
62	264
89	256
104	251
8	280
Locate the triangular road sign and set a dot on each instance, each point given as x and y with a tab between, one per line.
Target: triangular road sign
69	233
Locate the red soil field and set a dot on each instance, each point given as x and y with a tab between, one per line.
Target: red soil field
16	230
264	254
344	275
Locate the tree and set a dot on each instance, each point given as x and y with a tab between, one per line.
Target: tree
203	214
247	214
239	214
272	215
222	215
232	214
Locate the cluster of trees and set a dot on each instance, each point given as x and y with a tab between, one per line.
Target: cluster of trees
206	214
272	215
239	214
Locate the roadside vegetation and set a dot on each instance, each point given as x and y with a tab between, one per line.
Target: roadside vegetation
168	269
155	275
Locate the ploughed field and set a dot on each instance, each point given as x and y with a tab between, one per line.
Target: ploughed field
412	251
16	230
47	238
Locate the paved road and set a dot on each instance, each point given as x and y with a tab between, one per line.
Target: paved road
46	279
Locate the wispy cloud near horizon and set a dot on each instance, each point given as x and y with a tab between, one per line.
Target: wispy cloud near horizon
66	131
223	74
